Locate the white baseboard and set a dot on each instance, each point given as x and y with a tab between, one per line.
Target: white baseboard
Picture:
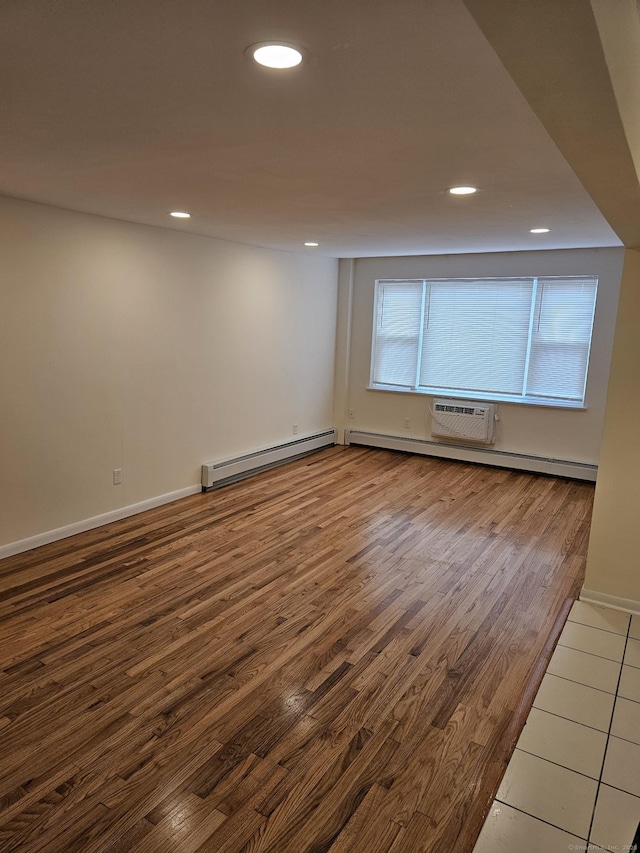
96	521
481	455
627	605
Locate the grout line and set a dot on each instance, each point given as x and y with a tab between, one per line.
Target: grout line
585	652
606	630
555	763
627	699
606	747
622	790
535	817
626	739
581	683
571	720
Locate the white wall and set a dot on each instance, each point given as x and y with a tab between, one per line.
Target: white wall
126	346
613	569
540	431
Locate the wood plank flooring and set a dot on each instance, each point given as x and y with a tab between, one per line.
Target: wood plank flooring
335	655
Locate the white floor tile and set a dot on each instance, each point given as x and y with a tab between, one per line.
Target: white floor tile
551	793
616	819
600	617
632	656
593	640
622	766
585	668
630	683
576	702
507	830
570	744
546	799
626	721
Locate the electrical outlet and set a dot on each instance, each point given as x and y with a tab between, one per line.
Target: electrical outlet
407	423
295	429
351	414
117	476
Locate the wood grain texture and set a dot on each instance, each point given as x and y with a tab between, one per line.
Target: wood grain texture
336	655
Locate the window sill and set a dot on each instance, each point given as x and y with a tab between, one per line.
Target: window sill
484	398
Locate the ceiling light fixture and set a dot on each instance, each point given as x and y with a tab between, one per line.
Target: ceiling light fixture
539	230
312	244
180	214
276	55
463	190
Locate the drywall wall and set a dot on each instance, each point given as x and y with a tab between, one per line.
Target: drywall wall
619	28
612	564
540	431
146	349
343	344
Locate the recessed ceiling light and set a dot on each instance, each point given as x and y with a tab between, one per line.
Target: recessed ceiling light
276	55
463	190
312	244
539	230
180	214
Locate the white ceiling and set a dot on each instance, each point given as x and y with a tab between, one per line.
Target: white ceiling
133	108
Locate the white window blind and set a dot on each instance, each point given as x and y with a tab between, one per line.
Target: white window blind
561	338
475	335
399	315
524	339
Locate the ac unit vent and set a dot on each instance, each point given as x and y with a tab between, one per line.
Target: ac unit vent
463	420
459	410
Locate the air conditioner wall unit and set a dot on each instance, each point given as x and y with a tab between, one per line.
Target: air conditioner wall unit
463	420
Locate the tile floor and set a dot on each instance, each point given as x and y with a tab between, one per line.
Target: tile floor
573	782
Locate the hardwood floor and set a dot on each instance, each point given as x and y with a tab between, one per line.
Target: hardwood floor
335	655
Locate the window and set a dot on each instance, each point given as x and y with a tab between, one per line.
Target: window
524	340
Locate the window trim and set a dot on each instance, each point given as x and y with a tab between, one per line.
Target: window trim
461	394
541	402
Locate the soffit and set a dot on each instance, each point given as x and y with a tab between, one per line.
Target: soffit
580	77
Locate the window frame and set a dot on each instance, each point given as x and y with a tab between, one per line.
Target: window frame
433	391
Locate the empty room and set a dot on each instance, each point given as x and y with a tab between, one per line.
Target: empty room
319	396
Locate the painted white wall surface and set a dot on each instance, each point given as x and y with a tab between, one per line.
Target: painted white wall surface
534	430
613	570
141	348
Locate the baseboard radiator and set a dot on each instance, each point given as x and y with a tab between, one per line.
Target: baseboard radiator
482	455
225	471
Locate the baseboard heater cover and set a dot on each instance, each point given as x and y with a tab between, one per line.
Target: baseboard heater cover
486	456
225	471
